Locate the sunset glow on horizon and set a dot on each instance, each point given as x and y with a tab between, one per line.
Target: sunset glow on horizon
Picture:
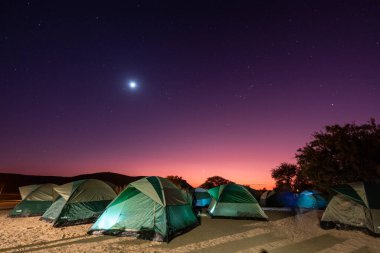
246	161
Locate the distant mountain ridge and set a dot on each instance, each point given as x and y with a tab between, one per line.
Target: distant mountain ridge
10	182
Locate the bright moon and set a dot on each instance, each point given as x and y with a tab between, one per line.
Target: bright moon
132	85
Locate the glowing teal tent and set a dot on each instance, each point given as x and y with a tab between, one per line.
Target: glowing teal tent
311	200
151	208
233	200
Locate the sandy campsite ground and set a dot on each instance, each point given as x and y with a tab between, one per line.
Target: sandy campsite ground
284	233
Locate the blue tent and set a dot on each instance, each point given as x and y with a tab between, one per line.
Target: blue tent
201	198
278	199
287	199
311	199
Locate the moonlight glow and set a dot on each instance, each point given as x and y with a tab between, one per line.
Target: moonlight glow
132	85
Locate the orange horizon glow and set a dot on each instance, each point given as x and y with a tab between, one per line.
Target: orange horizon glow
258	183
236	158
256	175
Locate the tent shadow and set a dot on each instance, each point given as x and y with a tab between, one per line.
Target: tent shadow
86	239
41	243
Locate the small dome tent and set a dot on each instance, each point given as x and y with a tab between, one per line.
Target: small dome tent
268	198
355	205
233	200
311	200
201	197
79	202
36	199
151	208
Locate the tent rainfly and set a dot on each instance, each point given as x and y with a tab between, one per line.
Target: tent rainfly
36	199
355	205
235	201
151	208
79	202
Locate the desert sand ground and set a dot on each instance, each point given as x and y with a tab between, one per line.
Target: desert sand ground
283	233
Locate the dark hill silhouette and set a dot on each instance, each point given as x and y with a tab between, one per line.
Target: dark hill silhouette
11	182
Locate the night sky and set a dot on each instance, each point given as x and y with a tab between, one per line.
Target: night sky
221	89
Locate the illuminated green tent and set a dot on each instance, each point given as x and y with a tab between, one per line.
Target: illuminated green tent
79	202
151	208
36	199
354	205
235	201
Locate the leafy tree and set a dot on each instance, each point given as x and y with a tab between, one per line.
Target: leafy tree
180	182
214	181
301	181
290	177
342	154
284	175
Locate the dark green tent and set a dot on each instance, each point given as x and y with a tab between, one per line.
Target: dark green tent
36	199
354	205
151	208
79	202
233	200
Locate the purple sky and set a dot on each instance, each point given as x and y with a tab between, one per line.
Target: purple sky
222	89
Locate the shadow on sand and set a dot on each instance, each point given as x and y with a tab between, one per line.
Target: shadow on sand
57	243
